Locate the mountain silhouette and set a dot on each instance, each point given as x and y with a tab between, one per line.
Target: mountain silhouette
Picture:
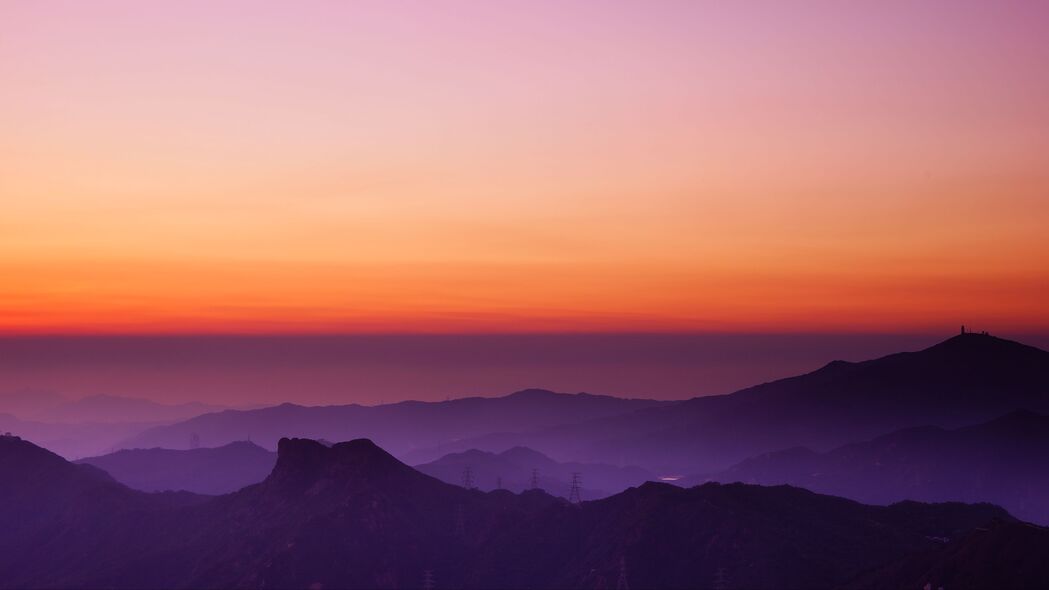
1001	555
1002	461
964	380
73	440
203	471
58	517
400	427
512	469
351	515
87	426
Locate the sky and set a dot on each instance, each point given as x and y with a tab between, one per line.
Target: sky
579	166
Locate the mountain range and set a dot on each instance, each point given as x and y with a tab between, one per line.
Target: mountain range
73	440
351	515
203	471
1001	461
239	464
401	427
513	470
964	380
86	426
863	446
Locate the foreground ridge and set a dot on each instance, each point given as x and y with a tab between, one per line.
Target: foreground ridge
351	515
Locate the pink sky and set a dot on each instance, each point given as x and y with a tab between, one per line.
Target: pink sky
523	166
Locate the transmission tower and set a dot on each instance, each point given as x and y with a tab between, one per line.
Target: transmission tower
427	579
534	482
468	478
499	482
460	521
194	441
622	583
574	493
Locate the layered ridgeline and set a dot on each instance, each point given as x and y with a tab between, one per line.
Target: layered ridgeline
239	464
1004	461
965	380
73	440
401	427
87	426
203	471
62	523
351	515
520	469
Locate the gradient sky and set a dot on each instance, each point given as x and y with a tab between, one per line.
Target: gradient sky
440	166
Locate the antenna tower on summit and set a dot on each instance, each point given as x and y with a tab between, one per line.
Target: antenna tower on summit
534	482
575	492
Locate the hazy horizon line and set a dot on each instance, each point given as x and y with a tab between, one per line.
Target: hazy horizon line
376	368
1036	331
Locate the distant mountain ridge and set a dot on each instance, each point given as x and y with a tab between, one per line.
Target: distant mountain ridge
1001	461
111	408
351	515
400	427
72	440
202	471
87	426
964	380
513	470
228	468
